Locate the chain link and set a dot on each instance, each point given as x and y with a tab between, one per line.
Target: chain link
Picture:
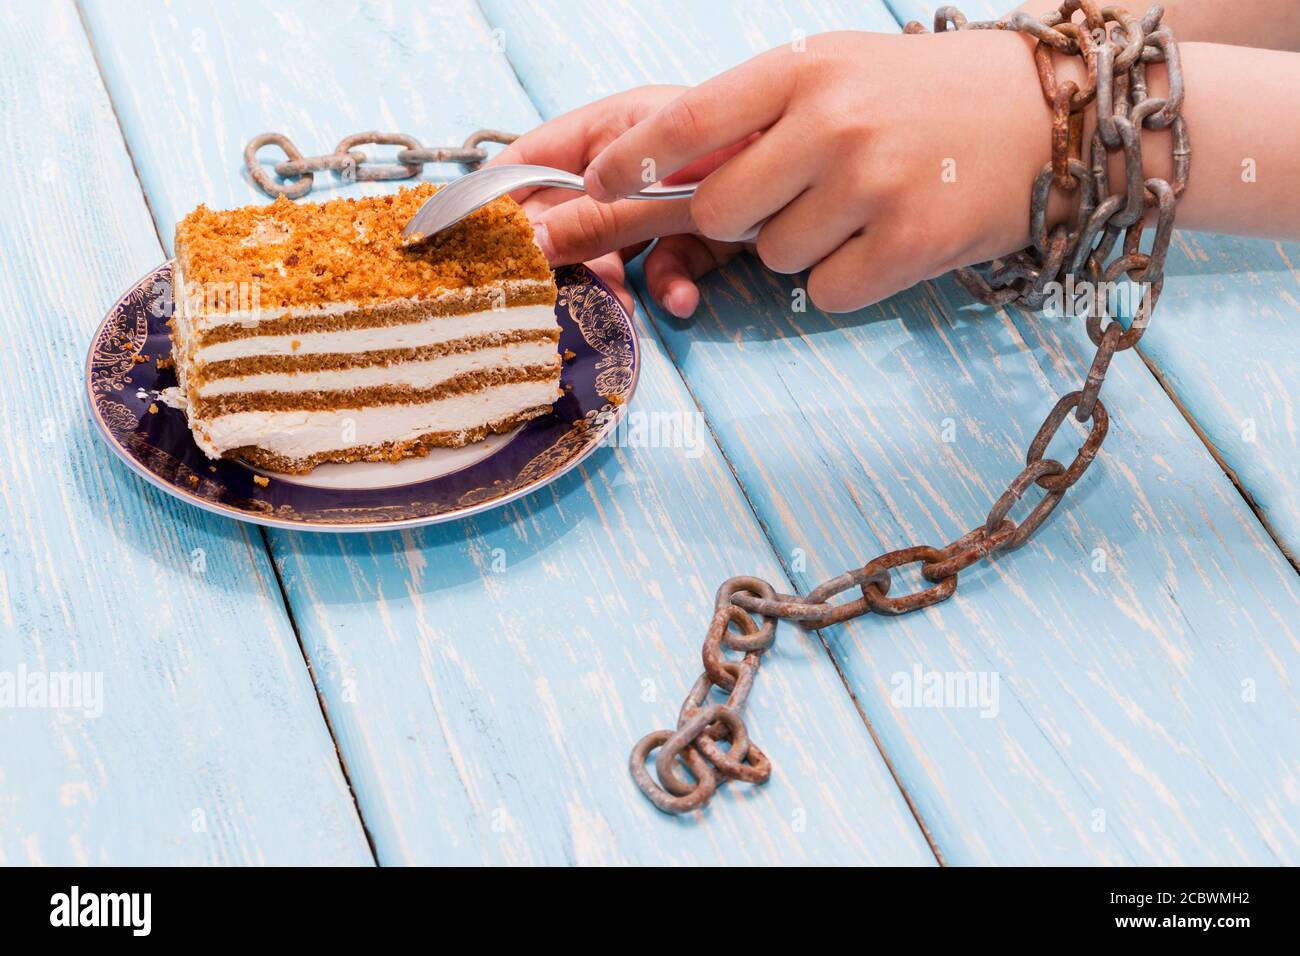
1115	47
352	164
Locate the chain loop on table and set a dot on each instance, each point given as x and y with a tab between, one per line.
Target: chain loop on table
352	164
1115	47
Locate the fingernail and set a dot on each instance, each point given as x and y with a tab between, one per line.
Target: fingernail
678	302
595	188
542	236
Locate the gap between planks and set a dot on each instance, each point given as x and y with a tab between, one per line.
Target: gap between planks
320	697
121	130
1222	462
266	543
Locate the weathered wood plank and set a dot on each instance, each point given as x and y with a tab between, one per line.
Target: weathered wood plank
199	738
486	679
1229	351
1143	645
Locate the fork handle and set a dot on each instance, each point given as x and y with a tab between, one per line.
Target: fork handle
565	180
657	191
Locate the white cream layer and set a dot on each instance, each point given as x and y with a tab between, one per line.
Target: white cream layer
422	374
302	434
187	295
412	335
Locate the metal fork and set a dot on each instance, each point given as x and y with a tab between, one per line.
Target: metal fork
455	201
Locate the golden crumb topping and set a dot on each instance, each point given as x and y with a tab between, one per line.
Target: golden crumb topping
350	250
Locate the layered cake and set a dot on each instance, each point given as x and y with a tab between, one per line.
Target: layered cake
307	333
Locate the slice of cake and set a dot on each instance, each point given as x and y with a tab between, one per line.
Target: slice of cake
307	333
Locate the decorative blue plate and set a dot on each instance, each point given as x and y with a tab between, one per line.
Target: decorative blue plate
363	496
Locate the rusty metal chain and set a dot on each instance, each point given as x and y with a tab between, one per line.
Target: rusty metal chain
1115	47
352	164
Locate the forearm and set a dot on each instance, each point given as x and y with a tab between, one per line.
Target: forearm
1245	139
1270	24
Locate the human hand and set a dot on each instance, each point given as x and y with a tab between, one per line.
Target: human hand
572	227
876	160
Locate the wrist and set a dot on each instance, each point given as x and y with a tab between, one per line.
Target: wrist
1014	137
1025	136
1157	153
1069	69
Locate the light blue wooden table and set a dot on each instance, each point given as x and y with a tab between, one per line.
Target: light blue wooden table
469	692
